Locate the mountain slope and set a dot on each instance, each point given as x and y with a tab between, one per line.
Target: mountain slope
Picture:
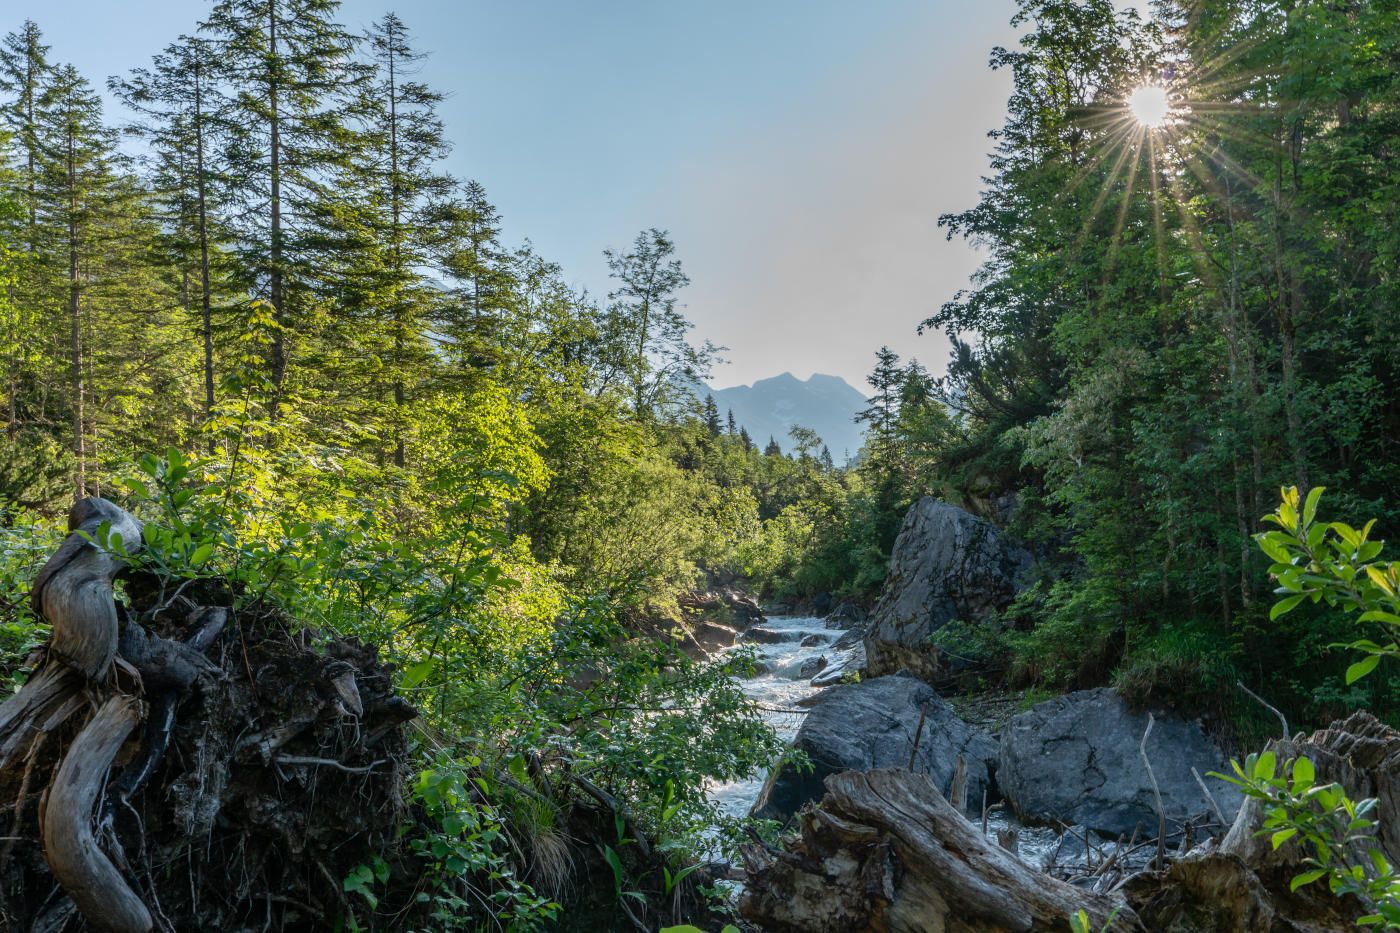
770	407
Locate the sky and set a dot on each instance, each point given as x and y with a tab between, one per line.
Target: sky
799	151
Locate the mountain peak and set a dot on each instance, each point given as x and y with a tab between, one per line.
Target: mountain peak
774	405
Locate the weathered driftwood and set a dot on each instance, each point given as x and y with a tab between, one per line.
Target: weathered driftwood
86	873
73	591
886	852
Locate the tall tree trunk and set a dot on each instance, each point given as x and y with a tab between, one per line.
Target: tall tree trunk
396	208
75	312
277	287
202	235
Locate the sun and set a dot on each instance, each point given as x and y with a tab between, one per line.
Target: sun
1149	105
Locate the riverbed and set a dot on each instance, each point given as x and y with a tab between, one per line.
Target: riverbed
793	642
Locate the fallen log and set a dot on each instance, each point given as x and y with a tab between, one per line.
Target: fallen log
886	853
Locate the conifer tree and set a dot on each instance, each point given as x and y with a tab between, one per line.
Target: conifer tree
180	100
291	77
730	427
24	73
78	195
398	186
712	422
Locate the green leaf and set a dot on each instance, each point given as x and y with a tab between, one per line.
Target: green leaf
1282	836
201	554
417	673
1361	668
1283	606
1306	878
1310	506
1303	775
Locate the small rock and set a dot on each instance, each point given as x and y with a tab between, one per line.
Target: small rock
768	636
812	667
813	640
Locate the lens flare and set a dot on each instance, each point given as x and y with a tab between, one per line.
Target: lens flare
1149	105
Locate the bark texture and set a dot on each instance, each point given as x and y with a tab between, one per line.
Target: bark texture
886	852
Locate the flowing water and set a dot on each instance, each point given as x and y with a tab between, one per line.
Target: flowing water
780	685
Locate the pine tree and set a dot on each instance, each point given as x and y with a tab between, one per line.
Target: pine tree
24	73
772	450
745	439
469	254
730	427
180	98
826	461
396	174
77	197
712	422
291	79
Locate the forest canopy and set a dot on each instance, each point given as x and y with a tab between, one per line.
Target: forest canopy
255	308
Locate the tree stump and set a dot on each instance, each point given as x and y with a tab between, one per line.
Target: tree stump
264	773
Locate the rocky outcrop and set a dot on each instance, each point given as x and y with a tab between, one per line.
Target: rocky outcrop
873	724
726	607
1075	760
946	565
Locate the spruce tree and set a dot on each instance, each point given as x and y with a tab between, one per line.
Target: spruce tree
292	77
24	73
712	422
397	188
180	101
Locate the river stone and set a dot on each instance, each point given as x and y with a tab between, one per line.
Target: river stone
812	667
947	564
768	636
851	665
871	725
712	636
1074	760
813	640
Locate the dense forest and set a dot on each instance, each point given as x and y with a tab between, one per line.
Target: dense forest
254	308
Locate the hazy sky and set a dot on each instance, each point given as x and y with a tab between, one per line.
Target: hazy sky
799	151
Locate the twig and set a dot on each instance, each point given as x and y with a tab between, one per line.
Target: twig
1156	793
1268	706
328	763
918	734
1210	798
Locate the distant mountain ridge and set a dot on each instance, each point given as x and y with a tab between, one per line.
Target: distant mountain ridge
771	407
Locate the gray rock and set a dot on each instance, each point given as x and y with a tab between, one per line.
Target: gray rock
712	636
849	640
946	565
871	725
1075	760
813	640
768	636
812	666
845	616
850	666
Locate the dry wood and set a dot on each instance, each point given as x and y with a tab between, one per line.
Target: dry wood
886	852
85	872
74	588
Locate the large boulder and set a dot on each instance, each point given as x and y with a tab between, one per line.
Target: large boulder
1075	760
870	725
947	564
